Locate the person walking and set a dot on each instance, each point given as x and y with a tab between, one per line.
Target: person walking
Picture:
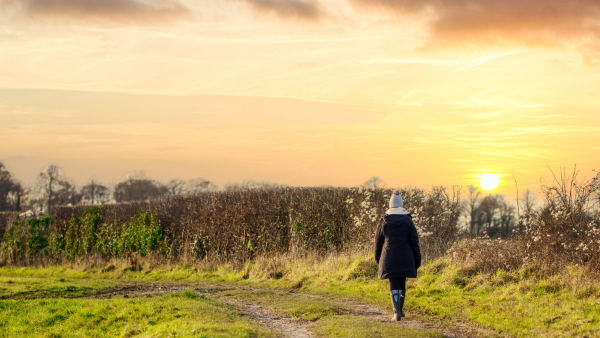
397	251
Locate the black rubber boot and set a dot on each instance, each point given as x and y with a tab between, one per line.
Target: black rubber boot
397	303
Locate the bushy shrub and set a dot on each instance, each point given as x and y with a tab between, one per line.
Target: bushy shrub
81	236
143	235
90	233
108	243
26	239
566	229
486	255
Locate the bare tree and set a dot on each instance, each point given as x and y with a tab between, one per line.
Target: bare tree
69	194
506	216
492	214
94	193
177	187
9	190
197	185
374	183
473	209
51	188
18	197
250	184
488	207
138	189
529	201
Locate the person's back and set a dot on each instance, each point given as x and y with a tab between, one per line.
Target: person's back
397	251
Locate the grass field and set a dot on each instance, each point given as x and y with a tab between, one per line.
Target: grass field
503	303
178	314
60	303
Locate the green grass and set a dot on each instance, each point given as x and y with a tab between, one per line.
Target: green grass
512	303
518	303
182	314
43	307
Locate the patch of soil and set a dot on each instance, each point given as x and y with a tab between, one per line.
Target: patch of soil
135	290
284	325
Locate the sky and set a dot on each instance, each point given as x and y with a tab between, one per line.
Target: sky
302	92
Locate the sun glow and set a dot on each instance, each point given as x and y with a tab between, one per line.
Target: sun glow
489	181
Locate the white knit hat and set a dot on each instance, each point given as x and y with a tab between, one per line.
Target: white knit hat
396	200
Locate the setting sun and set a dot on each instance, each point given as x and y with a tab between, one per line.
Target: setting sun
489	181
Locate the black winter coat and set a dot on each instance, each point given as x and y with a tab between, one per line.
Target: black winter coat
397	247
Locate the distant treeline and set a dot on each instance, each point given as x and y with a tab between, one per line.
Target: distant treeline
491	215
51	188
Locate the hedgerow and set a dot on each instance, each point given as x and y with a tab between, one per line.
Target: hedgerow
236	226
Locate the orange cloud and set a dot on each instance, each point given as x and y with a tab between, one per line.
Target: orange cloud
111	10
529	21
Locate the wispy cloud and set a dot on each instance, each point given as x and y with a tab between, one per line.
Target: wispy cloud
129	11
458	63
305	9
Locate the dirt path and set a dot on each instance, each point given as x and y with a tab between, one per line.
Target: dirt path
283	325
457	330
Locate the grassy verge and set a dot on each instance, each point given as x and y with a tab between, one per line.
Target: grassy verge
518	303
181	314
